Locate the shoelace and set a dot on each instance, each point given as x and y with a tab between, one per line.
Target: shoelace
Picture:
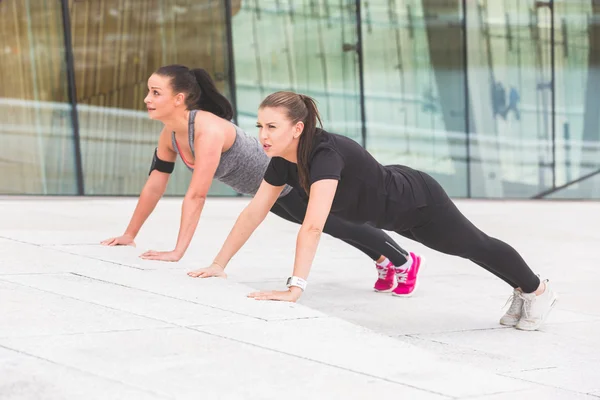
401	276
515	307
527	304
382	271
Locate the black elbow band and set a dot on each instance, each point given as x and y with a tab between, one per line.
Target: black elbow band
160	165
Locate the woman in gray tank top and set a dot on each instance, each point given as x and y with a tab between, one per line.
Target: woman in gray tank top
197	127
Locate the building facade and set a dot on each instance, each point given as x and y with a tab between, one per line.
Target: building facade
494	98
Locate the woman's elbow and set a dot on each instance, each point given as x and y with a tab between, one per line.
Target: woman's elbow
196	197
313	229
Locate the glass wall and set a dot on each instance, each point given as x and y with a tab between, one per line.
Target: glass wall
415	87
117	45
37	152
306	46
577	112
494	98
510	88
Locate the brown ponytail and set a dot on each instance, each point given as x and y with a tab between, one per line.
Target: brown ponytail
303	108
202	94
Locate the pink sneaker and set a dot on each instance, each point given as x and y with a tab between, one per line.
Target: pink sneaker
385	283
407	281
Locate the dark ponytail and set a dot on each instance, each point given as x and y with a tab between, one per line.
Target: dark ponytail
201	92
303	108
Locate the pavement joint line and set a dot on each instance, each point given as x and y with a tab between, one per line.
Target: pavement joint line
69	244
541	384
459	331
324	363
34	273
478	396
124	311
85	301
92	374
167	296
77	254
102	260
504	373
20	241
145	291
197	329
536	369
66	334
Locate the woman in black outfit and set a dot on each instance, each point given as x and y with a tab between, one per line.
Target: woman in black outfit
341	177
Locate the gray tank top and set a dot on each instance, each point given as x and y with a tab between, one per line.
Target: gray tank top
242	167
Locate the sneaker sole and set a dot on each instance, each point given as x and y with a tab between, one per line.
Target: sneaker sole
408	294
538	325
416	282
386	290
511	324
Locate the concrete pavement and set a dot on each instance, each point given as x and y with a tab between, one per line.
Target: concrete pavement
78	320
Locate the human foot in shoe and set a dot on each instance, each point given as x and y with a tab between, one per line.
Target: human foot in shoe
536	308
513	314
385	281
406	276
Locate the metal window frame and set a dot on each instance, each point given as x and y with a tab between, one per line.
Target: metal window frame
72	91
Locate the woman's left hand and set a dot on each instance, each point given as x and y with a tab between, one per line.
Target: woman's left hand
292	294
172	256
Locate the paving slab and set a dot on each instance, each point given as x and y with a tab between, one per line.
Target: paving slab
183	363
32	312
127	299
339	343
27	377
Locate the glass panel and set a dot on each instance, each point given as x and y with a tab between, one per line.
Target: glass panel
415	85
305	46
577	49
37	153
586	189
117	45
510	75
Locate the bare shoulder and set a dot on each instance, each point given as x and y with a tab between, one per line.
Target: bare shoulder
212	127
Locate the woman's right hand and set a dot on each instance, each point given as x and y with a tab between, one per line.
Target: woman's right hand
124	240
214	270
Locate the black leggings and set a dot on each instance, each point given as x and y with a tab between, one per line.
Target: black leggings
442	227
371	241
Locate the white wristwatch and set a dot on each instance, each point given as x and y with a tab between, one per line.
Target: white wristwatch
298	282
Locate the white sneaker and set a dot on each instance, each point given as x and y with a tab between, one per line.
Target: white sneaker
536	308
513	314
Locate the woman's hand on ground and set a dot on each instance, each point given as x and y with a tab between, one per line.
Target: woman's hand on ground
172	256
124	240
292	295
213	270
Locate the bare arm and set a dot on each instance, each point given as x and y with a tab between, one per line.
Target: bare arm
321	198
252	216
247	222
152	192
207	148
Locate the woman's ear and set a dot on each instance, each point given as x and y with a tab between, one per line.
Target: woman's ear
298	129
179	99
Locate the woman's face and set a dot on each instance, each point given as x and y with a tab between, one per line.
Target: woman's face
278	135
160	100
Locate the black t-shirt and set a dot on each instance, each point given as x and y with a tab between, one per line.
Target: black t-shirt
367	192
